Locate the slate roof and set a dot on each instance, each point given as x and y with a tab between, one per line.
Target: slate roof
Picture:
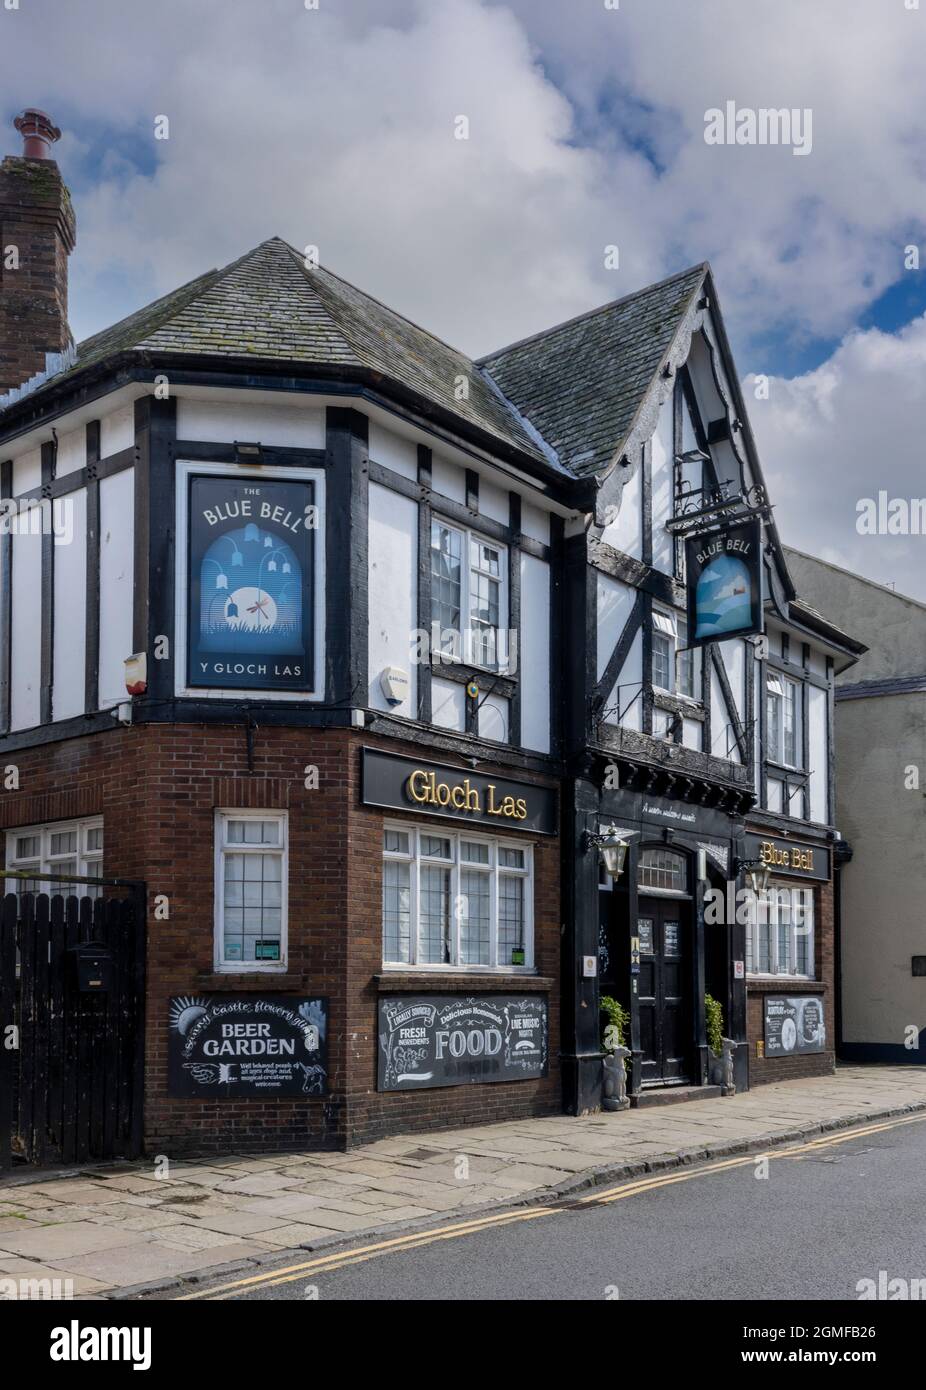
268	305
802	611
582	383
567	398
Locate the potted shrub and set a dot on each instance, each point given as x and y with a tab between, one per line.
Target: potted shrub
714	1018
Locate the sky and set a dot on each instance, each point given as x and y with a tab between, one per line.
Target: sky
336	124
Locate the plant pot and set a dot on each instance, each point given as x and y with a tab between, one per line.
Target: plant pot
715	1067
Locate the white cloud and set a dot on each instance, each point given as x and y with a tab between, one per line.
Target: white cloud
334	126
847	431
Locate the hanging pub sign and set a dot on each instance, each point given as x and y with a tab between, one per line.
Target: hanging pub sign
426	1042
724	577
250	583
247	1047
794	1024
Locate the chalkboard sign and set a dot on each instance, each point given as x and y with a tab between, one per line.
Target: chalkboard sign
240	1047
794	1025
456	1039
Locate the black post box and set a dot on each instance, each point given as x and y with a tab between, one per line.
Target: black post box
94	968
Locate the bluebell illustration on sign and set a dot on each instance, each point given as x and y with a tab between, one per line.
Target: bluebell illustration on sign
250	584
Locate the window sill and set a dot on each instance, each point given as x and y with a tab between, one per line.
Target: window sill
770	984
230	982
459	982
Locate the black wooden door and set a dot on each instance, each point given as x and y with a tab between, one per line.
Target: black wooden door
71	1059
664	927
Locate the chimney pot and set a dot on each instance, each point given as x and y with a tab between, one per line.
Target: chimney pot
38	131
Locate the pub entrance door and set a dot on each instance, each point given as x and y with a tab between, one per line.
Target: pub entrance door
664	927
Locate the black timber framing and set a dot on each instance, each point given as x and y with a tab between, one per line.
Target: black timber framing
830	743
73	482
346	551
618	657
647	666
424	577
580	611
634	572
762	715
805	731
92	630
752	675
472	491
155	536
47	619
454	511
707	735
6	600
514	614
357	386
277	456
557	649
734	720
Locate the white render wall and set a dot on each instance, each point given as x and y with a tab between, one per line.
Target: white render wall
393	591
26	643
534	656
69	659
117	540
224	422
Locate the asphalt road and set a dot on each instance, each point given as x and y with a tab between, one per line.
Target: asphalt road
820	1222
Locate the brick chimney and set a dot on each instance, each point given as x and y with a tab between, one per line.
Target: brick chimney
37	234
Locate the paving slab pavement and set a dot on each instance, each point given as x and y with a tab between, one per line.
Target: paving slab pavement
120	1229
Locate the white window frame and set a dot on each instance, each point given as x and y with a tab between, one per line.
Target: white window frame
795	930
776	753
223	845
469	539
494	870
87	859
666	624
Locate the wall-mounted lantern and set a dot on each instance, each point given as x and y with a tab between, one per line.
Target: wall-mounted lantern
612	845
757	874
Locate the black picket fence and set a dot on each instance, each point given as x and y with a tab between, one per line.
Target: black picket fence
71	1037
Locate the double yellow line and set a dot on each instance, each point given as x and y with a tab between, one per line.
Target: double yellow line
325	1264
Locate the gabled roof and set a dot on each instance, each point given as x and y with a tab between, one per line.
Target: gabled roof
582	384
269	306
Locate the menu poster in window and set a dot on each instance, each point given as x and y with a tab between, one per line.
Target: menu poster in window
250	591
247	1047
794	1024
457	1040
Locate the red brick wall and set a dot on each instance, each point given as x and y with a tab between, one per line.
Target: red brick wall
763	1070
157	787
37	218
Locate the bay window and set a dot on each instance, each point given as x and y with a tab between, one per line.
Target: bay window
469	597
455	900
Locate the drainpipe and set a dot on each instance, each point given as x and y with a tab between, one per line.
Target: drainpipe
842	855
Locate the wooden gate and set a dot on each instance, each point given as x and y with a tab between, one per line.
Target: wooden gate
71	1040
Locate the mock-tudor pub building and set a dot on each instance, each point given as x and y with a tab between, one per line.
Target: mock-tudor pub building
341	660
